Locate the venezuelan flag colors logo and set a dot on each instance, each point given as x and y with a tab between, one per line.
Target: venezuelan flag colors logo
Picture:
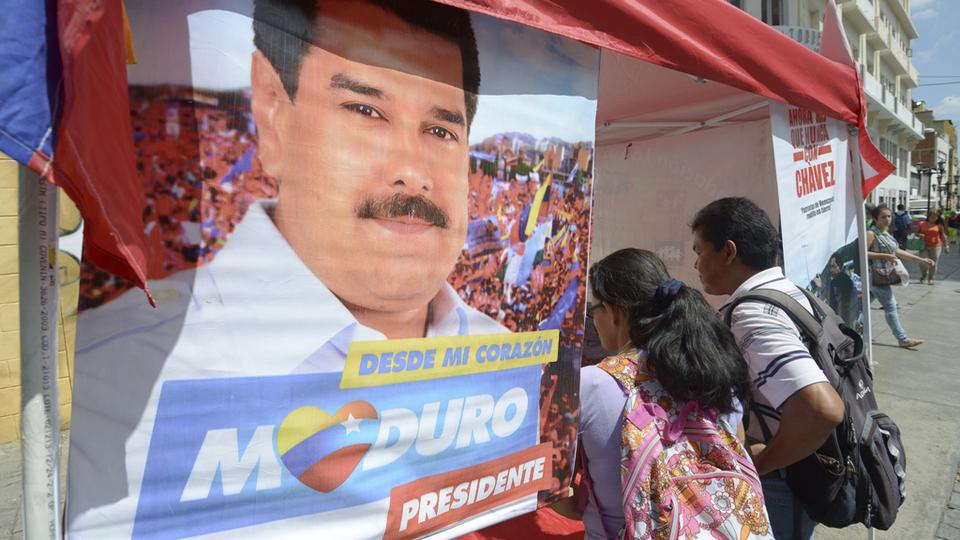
322	450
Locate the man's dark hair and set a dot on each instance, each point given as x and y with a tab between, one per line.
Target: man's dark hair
283	29
739	219
900	207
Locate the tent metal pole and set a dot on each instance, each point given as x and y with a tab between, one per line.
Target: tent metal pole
39	315
857	176
713	122
627	125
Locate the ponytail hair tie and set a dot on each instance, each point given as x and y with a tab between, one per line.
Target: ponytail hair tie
667	291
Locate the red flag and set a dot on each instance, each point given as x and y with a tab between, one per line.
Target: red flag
874	166
96	117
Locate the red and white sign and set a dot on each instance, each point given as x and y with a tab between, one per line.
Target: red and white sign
817	206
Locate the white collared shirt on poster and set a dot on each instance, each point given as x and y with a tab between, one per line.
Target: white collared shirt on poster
256	310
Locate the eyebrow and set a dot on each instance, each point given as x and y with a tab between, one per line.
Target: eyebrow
343	82
446	115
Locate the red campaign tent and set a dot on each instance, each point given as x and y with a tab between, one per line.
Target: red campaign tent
656	44
695	74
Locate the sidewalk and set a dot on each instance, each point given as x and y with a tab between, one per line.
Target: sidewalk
917	388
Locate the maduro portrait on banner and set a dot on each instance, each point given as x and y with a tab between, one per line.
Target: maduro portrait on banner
818	207
368	226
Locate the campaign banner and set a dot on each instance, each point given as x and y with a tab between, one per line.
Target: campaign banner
296	445
818	207
368	226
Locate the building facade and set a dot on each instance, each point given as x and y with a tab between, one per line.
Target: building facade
935	158
879	33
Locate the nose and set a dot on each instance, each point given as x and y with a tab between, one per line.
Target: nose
408	171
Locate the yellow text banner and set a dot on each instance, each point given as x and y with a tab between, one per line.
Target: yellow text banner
378	363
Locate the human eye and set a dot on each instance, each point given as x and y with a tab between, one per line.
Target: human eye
442	133
363	109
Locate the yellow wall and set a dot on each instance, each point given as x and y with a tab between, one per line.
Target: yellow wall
10	314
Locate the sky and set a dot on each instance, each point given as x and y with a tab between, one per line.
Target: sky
936	55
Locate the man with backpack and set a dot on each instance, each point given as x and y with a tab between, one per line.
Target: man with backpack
901	226
795	408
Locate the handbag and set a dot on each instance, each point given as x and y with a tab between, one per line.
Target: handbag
886	275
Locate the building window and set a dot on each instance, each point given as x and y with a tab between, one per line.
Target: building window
736	3
771	12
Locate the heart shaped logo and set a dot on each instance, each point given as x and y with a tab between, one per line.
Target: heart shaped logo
323	450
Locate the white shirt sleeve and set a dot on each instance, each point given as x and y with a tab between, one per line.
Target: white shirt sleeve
778	361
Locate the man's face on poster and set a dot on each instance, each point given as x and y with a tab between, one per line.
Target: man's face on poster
371	156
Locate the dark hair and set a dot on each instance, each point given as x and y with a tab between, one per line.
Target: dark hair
282	30
740	220
876	210
939	214
899	207
692	353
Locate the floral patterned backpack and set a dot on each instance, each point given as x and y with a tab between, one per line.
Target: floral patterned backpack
682	476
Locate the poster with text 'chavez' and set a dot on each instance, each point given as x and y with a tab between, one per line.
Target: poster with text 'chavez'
818	207
368	228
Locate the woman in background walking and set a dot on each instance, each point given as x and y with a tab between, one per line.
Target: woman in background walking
883	252
934	232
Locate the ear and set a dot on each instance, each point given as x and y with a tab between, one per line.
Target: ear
270	104
729	252
618	315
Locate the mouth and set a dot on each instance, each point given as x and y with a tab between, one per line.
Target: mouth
404	225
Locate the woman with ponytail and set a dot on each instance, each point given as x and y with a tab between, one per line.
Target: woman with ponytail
672	339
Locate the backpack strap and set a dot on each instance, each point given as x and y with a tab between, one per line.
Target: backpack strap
623	369
628	375
806	323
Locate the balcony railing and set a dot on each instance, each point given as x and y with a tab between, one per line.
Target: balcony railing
882	95
807	37
885	41
867	10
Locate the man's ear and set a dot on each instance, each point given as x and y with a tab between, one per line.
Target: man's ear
270	104
729	252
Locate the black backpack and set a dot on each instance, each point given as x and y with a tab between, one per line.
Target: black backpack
858	475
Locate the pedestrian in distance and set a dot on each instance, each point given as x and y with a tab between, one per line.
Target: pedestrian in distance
883	253
795	408
673	389
901	226
934	232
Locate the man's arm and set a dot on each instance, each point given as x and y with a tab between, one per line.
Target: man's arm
809	415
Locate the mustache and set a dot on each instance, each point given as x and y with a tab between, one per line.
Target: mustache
400	205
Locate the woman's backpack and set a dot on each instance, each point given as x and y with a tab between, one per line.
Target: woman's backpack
682	476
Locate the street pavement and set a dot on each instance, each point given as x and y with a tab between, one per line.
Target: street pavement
917	388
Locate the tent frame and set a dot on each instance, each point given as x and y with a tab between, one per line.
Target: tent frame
688	127
39	317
